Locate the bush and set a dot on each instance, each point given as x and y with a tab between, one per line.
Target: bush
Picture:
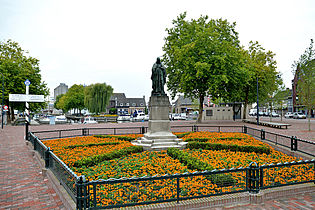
123	138
195	164
181	135
231	147
94	160
91	145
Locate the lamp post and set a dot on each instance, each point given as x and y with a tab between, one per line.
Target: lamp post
257	103
2	101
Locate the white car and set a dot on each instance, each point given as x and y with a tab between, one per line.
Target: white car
288	115
299	115
273	114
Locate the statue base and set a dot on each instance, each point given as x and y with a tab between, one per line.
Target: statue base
159	135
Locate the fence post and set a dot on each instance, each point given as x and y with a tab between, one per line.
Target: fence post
178	189
292	142
82	193
262	134
84	131
253	178
295	143
142	130
47	153
35	142
245	129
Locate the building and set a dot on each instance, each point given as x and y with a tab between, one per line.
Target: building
186	105
126	105
61	89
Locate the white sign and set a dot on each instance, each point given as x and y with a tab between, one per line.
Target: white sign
26	98
27	82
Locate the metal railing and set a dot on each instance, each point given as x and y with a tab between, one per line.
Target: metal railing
156	189
64	174
291	142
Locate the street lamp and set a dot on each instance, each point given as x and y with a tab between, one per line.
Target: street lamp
257	103
2	100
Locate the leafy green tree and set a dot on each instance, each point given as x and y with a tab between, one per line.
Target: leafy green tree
97	97
258	63
280	96
202	58
56	104
305	70
74	98
17	66
61	103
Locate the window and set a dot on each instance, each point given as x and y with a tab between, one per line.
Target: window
223	110
209	113
133	104
127	104
218	110
229	110
121	104
141	104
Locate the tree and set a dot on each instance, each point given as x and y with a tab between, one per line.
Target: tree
202	58
60	103
97	97
305	70
74	98
281	95
16	66
56	104
258	64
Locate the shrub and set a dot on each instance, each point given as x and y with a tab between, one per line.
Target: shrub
181	135
124	138
195	164
231	147
91	145
94	160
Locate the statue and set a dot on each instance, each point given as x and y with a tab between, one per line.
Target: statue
158	78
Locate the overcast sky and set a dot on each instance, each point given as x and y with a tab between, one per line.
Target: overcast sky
117	42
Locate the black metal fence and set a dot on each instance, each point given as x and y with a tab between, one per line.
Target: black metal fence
157	189
64	174
291	142
123	192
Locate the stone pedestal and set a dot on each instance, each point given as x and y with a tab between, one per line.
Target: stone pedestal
159	135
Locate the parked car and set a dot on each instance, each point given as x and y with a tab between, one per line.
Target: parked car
288	115
274	114
299	115
266	114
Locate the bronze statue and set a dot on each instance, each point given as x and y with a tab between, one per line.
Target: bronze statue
158	78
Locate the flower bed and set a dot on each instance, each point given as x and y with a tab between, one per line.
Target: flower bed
110	160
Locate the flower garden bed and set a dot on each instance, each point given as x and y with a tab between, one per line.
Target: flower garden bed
104	157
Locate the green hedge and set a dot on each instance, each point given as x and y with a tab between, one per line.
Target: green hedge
231	147
124	138
207	139
91	145
195	164
181	135
94	160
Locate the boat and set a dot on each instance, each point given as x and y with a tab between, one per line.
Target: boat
61	119
140	117
125	117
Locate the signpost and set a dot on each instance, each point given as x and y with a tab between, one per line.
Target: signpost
26	98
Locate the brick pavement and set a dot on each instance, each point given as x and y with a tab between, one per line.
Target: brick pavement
23	186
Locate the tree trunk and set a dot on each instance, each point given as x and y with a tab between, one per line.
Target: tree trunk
245	104
270	114
201	98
